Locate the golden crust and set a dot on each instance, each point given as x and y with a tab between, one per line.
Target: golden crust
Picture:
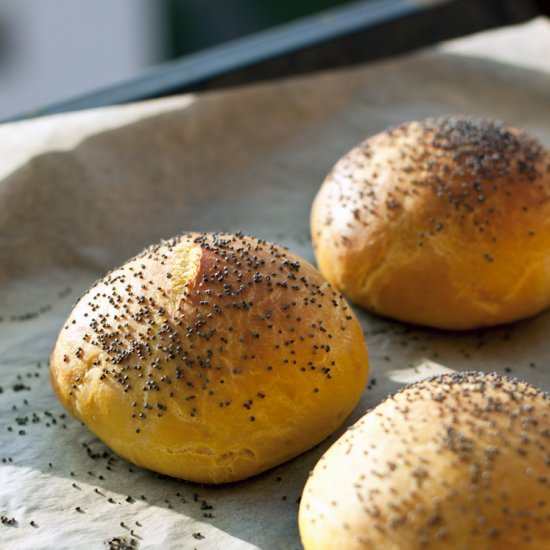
444	223
211	357
458	461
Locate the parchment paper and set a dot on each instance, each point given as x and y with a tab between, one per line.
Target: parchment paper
81	193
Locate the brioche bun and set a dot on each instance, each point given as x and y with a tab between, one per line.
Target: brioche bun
211	357
459	461
444	223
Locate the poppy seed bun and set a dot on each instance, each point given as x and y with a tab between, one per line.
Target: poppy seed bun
211	357
459	461
444	223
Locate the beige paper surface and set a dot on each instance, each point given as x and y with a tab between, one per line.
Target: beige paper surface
81	193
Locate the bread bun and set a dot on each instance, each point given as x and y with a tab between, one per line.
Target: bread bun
211	357
459	461
444	223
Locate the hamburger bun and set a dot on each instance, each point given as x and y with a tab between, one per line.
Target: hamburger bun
211	357
459	461
444	223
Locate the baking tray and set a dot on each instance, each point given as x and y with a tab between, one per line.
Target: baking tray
80	193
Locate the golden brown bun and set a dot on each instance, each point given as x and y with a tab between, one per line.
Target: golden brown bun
211	357
444	223
459	461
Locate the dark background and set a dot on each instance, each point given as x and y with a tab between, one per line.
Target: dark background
55	54
198	24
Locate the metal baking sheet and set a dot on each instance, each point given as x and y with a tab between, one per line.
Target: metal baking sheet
81	193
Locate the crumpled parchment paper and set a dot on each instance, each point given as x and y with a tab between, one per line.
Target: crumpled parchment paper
81	193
